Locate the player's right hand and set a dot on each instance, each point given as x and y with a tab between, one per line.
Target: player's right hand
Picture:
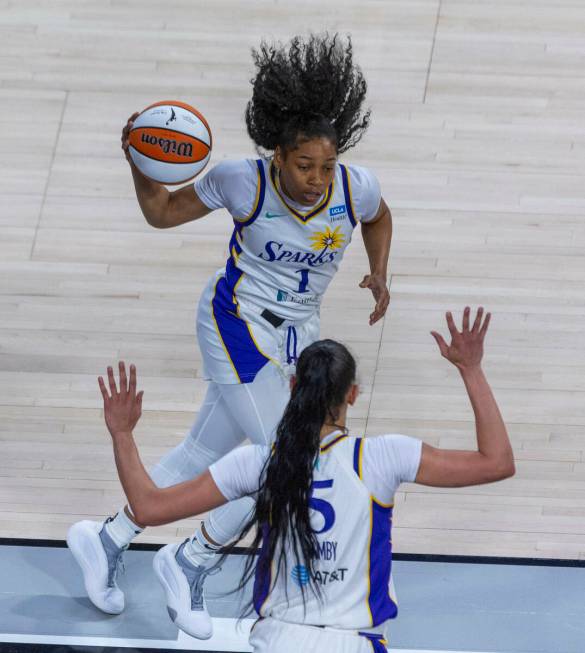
123	406
466	348
126	134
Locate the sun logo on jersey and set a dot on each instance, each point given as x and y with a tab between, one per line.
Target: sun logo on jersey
327	239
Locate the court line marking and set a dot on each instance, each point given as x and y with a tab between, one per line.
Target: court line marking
233	639
229	637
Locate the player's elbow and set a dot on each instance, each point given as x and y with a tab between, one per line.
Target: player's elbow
140	514
157	220
145	517
146	512
510	469
503	468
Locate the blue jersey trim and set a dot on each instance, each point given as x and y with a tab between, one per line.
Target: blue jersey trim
381	606
235	248
328	446
263	574
303	217
259	201
347	193
357	457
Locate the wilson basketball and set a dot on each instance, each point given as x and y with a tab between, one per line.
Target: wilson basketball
170	142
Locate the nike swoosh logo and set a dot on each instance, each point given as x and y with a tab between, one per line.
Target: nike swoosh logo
274	215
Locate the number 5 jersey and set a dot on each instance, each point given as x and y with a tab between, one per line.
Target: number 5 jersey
354	482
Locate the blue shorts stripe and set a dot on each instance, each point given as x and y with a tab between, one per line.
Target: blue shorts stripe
247	360
347	194
377	641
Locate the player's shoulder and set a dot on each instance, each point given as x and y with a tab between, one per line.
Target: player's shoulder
364	191
361	175
348	447
388	440
235	167
391	448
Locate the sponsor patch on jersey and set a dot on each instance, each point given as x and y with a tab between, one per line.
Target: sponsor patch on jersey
284	296
324	577
300	575
337	210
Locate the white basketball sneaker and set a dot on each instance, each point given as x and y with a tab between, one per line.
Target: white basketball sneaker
99	558
183	584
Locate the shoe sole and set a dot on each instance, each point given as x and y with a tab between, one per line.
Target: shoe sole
160	565
86	568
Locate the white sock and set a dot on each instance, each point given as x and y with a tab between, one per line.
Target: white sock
122	529
199	550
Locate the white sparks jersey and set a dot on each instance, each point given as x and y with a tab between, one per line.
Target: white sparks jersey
282	258
353	528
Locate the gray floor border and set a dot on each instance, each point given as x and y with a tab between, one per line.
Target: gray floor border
7	647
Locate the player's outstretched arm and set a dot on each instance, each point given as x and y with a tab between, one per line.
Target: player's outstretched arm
151	506
494	459
162	208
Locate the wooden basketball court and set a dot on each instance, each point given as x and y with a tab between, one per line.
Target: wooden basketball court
478	140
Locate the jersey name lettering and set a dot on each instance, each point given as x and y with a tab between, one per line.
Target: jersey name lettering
327	550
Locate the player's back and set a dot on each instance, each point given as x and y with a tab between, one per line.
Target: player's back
352	571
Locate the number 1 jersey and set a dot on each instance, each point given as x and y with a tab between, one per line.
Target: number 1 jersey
282	258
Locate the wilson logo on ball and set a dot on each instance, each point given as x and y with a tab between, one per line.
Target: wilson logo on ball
167	145
170	155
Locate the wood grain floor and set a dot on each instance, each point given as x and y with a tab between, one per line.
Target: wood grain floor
478	139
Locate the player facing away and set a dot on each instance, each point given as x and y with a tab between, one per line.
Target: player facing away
294	213
323	510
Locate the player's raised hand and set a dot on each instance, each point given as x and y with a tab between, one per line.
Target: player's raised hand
126	134
123	406
466	348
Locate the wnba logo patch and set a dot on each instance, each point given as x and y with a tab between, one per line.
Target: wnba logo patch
300	575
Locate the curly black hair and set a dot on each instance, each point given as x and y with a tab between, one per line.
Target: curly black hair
310	89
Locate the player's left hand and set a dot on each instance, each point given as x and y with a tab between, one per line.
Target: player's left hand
377	284
123	407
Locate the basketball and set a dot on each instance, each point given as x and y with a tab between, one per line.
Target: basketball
170	142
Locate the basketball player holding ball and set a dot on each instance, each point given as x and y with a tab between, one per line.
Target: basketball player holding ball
294	213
